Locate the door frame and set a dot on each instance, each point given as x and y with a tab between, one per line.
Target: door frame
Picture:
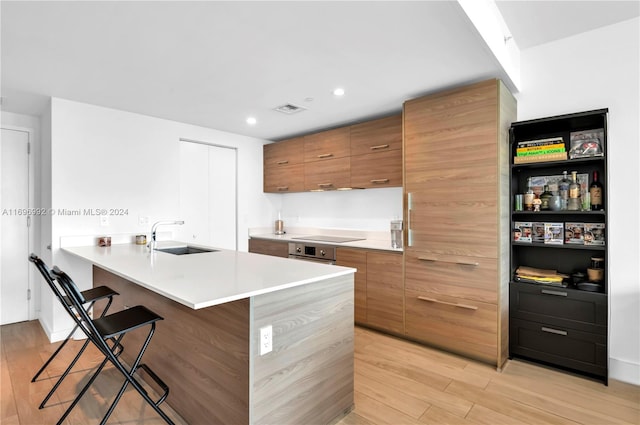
34	224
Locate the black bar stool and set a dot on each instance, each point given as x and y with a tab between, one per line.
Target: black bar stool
91	296
114	327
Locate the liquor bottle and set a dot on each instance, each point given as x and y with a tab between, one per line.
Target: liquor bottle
529	196
563	188
595	191
544	197
574	193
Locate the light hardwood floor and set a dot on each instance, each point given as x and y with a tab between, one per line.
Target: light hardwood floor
397	382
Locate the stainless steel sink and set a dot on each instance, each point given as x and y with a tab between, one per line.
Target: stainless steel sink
184	250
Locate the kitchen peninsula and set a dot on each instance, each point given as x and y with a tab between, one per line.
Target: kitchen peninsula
208	347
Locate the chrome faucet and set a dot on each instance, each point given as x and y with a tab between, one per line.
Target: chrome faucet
152	243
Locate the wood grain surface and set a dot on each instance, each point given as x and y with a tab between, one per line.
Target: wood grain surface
202	355
314	336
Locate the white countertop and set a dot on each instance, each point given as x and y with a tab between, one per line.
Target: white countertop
366	243
205	279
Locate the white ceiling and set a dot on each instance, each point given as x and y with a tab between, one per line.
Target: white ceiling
213	63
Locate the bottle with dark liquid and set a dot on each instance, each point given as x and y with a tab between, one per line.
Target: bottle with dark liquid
595	192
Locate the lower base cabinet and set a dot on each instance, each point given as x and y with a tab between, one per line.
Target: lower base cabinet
560	326
378	287
464	326
262	246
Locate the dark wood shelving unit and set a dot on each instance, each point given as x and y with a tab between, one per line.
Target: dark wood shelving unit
559	326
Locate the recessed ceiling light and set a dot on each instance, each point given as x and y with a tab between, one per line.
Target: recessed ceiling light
338	92
252	121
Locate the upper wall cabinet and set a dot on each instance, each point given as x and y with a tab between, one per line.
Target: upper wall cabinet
365	155
327	145
283	166
326	157
381	135
376	153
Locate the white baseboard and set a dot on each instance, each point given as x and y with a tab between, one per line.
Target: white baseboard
624	371
54	336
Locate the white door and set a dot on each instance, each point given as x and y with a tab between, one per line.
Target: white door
208	195
222	197
14	232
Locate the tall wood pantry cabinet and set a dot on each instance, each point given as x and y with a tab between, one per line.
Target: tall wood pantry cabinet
456	187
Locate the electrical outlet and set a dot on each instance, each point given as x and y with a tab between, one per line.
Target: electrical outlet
266	340
104	220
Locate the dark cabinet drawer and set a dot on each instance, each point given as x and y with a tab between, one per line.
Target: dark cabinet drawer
582	351
564	307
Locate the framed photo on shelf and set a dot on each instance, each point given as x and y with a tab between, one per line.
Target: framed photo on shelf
585	144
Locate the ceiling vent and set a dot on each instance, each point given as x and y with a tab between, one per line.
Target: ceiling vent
289	109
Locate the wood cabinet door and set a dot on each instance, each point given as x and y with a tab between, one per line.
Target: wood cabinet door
464	326
327	145
385	293
356	258
327	175
472	278
381	135
266	247
286	152
282	179
372	170
452	170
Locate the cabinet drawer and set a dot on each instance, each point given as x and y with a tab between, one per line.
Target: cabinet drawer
464	326
327	175
382	169
566	347
472	278
580	310
289	178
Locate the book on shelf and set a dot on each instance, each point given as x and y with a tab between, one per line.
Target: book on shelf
541	152
557	156
541	148
540	142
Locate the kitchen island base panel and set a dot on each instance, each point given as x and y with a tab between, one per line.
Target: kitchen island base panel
202	355
313	330
210	357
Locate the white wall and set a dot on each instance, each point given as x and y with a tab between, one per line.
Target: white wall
106	158
368	209
600	69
